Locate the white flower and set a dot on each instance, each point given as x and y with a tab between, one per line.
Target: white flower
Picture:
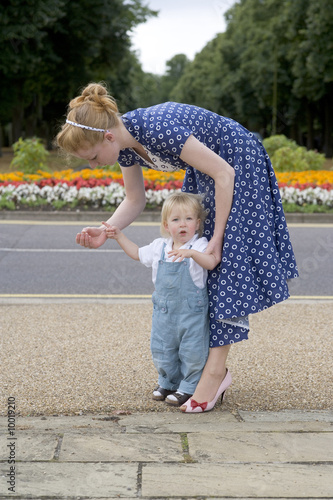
114	194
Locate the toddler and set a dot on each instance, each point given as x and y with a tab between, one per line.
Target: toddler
180	323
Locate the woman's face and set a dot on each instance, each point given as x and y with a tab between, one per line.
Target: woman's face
103	153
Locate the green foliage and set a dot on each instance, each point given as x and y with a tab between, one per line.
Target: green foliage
272	69
309	208
289	159
287	156
200	82
310	53
30	155
113	168
175	69
275	142
6	204
39	203
81	40
59	204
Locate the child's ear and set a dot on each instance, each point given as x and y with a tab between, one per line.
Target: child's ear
198	225
166	227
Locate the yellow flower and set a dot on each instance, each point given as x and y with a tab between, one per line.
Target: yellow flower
316	177
309	176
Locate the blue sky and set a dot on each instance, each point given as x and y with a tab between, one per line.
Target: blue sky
182	27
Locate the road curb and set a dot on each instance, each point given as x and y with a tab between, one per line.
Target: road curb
71	215
146	216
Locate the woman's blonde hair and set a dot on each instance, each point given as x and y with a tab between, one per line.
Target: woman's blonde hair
183	201
93	108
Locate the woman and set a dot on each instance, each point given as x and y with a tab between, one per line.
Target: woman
230	169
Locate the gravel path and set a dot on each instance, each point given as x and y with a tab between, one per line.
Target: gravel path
66	359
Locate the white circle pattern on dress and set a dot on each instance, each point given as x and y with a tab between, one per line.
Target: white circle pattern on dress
257	256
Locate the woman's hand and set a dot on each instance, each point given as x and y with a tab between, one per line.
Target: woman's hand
214	247
91	237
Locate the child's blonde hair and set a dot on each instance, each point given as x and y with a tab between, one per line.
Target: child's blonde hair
93	108
183	200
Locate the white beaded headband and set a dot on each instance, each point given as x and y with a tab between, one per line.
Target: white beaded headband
86	126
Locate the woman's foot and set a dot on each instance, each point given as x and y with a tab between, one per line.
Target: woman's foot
192	406
208	386
212	375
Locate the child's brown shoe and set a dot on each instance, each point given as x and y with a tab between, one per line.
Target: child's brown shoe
160	394
177	398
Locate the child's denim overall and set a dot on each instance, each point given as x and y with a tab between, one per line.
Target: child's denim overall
180	327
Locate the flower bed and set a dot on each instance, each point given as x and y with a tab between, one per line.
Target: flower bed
104	189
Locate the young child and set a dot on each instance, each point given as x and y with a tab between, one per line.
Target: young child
180	323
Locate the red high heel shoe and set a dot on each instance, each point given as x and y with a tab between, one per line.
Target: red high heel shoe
191	406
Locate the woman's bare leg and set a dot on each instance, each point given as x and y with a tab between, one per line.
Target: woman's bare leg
212	375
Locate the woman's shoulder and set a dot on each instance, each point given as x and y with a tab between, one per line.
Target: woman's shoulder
155	109
168	108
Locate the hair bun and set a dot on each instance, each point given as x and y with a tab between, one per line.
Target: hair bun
94	91
97	96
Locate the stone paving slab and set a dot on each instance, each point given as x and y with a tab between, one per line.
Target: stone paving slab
238	480
174	422
149	498
63	480
169	455
121	448
171	422
261	447
85	423
287	416
29	446
223	421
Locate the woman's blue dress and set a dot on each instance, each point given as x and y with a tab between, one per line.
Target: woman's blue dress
257	256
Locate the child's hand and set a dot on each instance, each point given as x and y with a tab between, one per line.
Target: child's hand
111	232
180	254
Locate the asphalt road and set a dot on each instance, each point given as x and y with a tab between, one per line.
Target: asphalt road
43	258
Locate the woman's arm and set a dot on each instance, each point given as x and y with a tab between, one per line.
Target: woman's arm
128	210
202	158
135	201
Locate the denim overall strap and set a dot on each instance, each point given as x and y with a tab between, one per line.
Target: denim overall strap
173	279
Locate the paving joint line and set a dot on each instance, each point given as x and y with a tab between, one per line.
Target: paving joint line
139	480
185	449
56	455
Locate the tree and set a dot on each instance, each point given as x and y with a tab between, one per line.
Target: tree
149	89
257	29
272	69
175	68
46	61
22	36
200	82
311	58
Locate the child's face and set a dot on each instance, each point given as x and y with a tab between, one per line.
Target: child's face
182	225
